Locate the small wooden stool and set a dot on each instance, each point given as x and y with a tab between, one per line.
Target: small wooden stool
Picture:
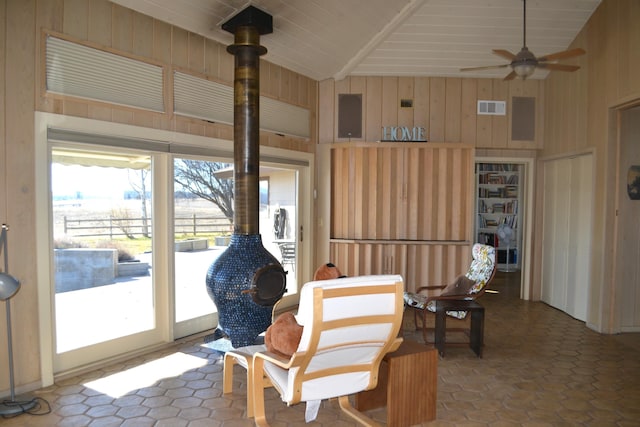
407	385
476	332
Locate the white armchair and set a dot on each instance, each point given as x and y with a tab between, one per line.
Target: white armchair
349	324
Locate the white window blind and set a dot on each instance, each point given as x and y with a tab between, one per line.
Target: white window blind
85	72
208	100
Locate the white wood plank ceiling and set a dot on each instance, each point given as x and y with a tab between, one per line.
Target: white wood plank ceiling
337	38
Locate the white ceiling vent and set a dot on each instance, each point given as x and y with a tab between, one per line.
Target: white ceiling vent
208	100
492	108
85	72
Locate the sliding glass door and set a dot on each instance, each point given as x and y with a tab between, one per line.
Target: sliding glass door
127	235
103	282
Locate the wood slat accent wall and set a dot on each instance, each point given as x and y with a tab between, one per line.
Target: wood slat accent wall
402	208
419	264
445	106
402	191
110	27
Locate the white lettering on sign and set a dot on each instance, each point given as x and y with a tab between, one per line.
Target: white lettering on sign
403	134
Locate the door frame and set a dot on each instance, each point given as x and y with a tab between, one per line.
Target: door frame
528	180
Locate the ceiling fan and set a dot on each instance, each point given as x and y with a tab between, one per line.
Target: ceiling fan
525	62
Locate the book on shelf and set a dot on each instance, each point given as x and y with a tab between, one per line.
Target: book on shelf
511	191
498	207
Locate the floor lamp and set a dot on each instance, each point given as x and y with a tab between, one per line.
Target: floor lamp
9	286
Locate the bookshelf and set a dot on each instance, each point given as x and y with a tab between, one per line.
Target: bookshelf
498	201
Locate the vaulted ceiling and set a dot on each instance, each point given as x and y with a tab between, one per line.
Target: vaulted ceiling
337	38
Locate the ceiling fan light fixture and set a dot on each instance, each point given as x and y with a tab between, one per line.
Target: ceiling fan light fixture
524	70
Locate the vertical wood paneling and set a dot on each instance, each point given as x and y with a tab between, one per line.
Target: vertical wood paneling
358	218
3	140
226	66
75	21
326	109
372	219
468	111
389	98
358	85
443	203
122	28
196	53
405	91
426	223
142	35
458	208
161	41
373	109
179	47
398	191
414	190
453	114
386	193
421	103
484	123
18	167
286	82
275	76
437	105
99	22
500	124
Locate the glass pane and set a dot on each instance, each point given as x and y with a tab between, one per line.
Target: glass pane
203	216
278	220
102	246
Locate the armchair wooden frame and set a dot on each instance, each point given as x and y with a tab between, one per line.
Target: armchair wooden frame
349	326
485	255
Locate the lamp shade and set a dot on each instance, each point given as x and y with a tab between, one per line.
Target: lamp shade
524	70
9	286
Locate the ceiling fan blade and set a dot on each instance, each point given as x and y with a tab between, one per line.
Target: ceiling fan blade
488	67
559	67
562	55
505	54
512	75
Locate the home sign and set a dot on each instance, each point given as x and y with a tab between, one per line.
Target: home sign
403	134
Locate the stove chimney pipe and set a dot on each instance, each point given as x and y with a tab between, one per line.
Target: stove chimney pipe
247	26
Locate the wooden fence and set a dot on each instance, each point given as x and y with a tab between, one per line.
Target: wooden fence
141	227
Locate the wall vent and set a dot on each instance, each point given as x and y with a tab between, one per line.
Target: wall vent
85	72
492	108
213	101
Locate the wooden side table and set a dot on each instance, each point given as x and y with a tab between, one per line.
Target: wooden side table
407	384
476	332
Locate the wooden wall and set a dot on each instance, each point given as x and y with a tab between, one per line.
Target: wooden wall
446	107
104	25
580	115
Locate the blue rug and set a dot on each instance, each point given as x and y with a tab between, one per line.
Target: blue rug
222	345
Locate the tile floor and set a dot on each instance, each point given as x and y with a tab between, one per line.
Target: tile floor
540	368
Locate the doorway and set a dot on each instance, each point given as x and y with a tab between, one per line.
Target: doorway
504	192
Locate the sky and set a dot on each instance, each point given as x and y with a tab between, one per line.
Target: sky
91	182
